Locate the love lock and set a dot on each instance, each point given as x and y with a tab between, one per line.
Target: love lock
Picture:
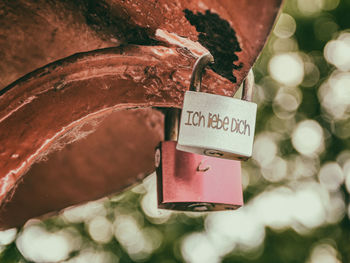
216	125
193	182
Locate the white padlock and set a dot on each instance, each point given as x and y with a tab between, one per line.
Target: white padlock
217	125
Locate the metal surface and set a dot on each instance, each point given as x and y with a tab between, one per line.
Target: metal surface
56	106
216	125
197	72
171	124
193	182
103	162
40	109
203	131
248	87
35	33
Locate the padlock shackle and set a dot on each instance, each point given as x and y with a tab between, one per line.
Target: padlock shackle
248	85
199	66
205	60
171	124
172	116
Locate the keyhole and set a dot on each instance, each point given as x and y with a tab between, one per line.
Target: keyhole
200	168
213	153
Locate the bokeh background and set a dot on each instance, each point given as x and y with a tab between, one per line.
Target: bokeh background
296	186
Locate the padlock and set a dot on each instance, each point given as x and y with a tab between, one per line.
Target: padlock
217	125
193	182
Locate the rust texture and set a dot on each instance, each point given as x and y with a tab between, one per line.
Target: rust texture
220	39
61	95
67	94
119	153
50	30
66	65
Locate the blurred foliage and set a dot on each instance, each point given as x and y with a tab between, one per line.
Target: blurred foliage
307	28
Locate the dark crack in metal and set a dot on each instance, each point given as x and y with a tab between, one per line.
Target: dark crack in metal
220	39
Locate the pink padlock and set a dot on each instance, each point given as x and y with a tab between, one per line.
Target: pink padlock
193	182
187	181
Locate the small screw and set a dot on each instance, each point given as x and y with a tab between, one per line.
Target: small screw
213	153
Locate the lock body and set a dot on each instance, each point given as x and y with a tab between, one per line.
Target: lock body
217	126
192	182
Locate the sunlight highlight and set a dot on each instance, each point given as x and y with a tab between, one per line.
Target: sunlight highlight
307	138
287	69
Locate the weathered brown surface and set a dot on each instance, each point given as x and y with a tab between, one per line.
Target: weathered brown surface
35	33
118	154
60	103
66	100
39	109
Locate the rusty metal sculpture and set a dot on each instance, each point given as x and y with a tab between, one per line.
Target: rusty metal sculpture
93	115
